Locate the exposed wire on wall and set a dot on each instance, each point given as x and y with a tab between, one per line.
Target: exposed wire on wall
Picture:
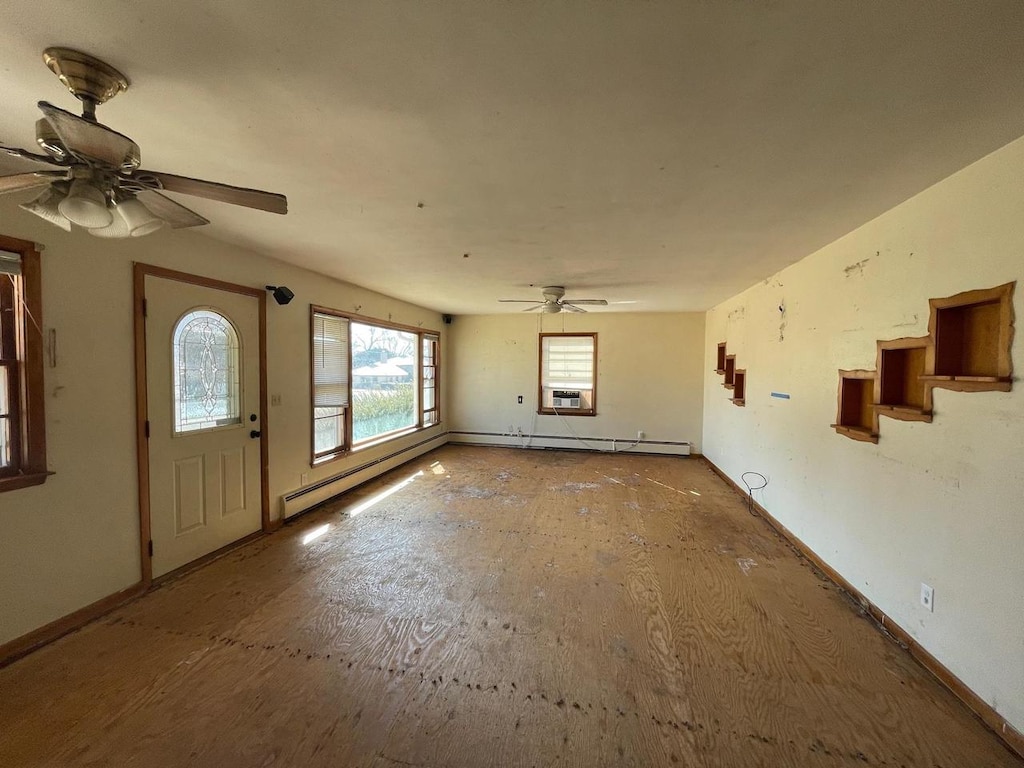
752	488
572	432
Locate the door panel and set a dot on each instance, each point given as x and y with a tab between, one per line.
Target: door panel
204	474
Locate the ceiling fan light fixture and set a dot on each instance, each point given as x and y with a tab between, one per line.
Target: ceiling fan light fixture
85	205
551	308
46	207
139	219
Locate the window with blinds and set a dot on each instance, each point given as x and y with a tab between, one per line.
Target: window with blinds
568	374
330	369
22	420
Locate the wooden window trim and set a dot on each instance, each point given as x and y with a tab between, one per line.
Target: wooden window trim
436	410
30	429
541	410
351	446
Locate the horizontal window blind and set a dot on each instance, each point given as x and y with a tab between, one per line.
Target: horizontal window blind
568	361
10	263
330	361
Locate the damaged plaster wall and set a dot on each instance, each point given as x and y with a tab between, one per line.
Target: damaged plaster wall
938	503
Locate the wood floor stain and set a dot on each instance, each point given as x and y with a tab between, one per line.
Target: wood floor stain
500	608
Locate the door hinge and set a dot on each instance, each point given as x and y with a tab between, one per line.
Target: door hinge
150	547
147	429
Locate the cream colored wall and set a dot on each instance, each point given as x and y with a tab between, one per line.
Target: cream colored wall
939	503
74	540
649	377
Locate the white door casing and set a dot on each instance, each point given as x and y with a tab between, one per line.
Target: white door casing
205	485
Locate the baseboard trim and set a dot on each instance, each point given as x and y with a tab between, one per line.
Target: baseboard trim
24	645
1010	736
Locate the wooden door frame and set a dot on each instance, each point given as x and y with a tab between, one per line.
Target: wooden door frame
139	273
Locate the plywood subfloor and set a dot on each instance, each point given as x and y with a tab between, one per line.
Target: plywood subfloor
501	608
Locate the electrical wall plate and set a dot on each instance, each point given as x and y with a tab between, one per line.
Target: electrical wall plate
927	597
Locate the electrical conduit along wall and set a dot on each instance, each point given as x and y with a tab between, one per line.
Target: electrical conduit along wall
936	503
649	378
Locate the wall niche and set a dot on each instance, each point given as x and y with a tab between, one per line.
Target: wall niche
971	336
730	371
856	415
720	364
739	387
900	390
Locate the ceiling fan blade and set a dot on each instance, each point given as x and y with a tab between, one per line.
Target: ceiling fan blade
91	142
590	302
26	155
177	216
570	307
211	190
20	181
535	306
519	301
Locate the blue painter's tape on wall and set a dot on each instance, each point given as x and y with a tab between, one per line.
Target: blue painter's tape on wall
781	395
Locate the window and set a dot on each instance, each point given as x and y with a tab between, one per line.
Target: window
568	374
207	386
428	368
383	381
22	420
330	384
370	381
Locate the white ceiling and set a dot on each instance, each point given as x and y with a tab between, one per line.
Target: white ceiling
668	154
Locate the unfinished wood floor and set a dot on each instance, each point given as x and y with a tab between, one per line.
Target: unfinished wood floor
501	608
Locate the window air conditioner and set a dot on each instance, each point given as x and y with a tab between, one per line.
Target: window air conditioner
564	399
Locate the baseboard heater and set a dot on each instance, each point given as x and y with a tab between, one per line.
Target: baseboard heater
596	444
301	499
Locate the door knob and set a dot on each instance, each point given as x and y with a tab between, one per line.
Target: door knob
254	433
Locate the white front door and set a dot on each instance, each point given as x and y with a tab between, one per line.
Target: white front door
203	387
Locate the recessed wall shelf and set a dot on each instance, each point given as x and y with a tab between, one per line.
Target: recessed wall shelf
856	416
730	370
739	387
720	364
900	392
972	333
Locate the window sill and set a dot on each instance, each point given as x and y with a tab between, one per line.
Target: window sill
565	412
15	482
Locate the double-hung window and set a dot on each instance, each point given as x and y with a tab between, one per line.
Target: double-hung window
22	421
330	363
371	381
568	374
428	367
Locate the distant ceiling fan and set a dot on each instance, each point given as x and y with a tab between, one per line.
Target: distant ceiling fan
97	183
554	302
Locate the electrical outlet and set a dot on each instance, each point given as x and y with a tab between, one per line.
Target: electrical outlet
304	479
639	434
927	597
275	399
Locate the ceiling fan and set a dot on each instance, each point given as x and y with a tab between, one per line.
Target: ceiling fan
554	302
93	177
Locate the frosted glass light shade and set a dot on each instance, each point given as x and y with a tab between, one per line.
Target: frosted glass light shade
140	220
85	205
131	219
46	207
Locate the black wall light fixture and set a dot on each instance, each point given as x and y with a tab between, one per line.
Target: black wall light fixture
282	294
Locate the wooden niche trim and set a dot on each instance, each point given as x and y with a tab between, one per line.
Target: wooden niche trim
900	391
720	364
972	334
856	417
739	387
